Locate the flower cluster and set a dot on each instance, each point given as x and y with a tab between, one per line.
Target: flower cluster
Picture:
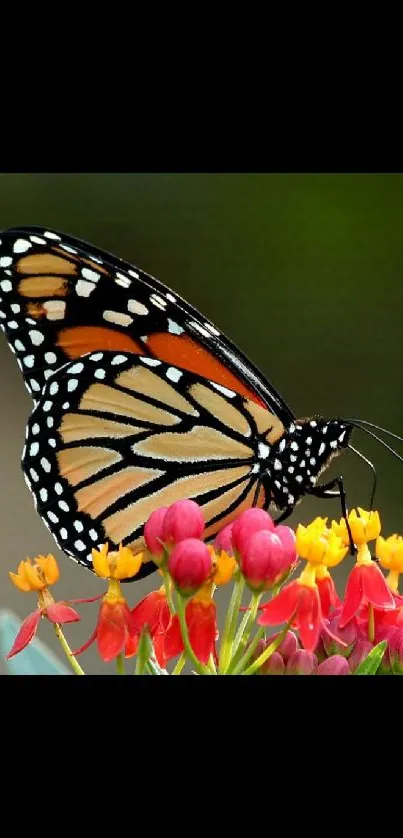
292	625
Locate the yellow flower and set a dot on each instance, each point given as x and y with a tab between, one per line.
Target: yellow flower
319	544
37	576
223	566
389	551
364	526
117	564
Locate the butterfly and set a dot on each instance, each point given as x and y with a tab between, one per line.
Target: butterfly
139	401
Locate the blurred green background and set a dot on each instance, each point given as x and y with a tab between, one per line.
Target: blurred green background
303	272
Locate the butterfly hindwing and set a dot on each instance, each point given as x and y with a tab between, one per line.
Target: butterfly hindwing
116	435
61	298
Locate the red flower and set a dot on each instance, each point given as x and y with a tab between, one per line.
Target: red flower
201	622
182	519
113	633
299	603
153	611
248	523
190	565
327	592
366	583
264	559
56	612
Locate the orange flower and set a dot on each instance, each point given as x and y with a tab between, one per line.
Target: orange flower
37	576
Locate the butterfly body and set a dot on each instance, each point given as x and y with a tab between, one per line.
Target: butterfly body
140	401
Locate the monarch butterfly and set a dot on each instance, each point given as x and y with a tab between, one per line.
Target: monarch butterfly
140	401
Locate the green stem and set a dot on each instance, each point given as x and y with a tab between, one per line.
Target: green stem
371	623
200	668
67	651
230	623
267	652
120	666
179	665
246	626
167	586
249	652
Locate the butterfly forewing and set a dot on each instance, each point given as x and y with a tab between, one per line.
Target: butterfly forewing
116	435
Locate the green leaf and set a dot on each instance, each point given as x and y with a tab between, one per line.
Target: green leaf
36	659
370	664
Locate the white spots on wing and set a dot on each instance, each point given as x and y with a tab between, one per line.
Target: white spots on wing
151	362
212	329
134	274
313	423
224	390
63	505
52	517
198	328
255	469
33	449
278	484
302	464
37	240
312	480
333	443
53	389
55	309
72	385
49	235
299	479
97	356
291	429
291	469
313	461
277	465
282	446
93	534
174	328
322	448
290	500
342	435
136	308
76	368
170	297
158	301
50	421
309	440
96	259
30	321
293	458
36	337
92	276
294	446
63	533
58	488
264	451
35	429
34	474
123	280
21	245
34	385
52	442
12	324
118	359
69	249
45	465
117	317
100	374
325	429
5	261
78	526
65	405
174	374
43	494
47	405
29	361
79	545
15	308
84	288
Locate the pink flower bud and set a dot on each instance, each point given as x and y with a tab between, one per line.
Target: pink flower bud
249	522
361	649
395	651
338	641
183	519
223	540
153	535
288	645
287	538
273	666
302	662
336	665
263	560
189	565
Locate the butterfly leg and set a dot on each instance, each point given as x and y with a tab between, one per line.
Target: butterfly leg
324	491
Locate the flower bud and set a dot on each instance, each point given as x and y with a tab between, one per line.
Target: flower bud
288	645
361	650
273	666
287	538
248	523
302	662
336	640
189	565
182	520
395	651
223	540
263	560
336	665
153	534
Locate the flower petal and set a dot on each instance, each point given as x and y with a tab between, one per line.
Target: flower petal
282	607
353	595
86	645
309	617
26	633
201	623
375	588
59	612
112	629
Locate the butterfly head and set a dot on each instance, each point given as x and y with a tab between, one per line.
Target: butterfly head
299	457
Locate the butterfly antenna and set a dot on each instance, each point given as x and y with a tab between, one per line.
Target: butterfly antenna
382	442
361	422
372	467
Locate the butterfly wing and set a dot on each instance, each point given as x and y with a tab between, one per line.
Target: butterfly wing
61	298
115	435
